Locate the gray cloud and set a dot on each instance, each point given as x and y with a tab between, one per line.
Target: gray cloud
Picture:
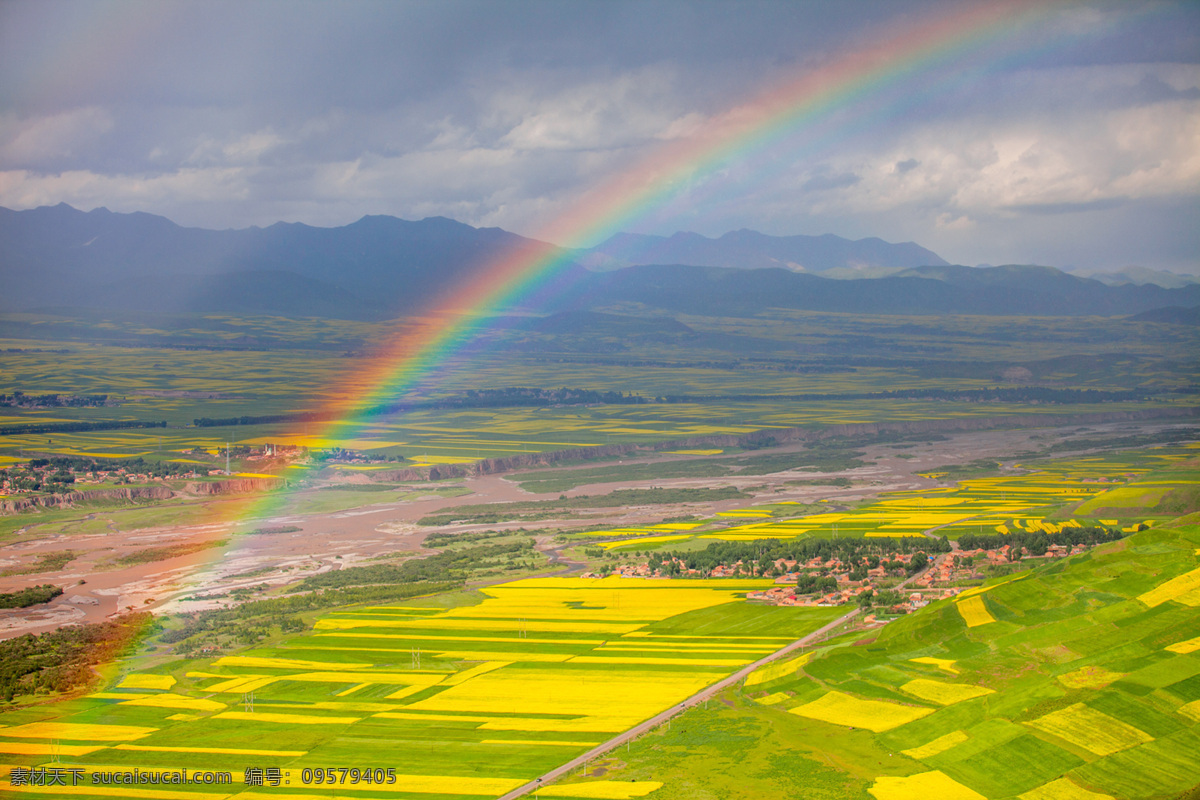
824	181
225	114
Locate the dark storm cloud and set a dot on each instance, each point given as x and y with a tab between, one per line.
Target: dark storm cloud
501	113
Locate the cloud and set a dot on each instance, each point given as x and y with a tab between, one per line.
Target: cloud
627	109
949	222
825	180
38	140
226	114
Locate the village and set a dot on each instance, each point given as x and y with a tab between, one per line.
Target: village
896	583
56	474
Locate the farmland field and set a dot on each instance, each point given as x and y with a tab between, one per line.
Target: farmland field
1045	495
483	696
493	681
1081	690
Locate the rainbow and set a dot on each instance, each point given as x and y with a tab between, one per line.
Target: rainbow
455	319
419	346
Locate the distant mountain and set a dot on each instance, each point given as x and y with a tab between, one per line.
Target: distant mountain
1142	275
380	267
60	256
1172	315
746	249
1004	290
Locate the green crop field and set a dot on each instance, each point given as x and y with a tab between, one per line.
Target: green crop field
482	696
744	374
1044	496
1084	685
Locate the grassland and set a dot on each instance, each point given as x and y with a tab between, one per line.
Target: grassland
1081	687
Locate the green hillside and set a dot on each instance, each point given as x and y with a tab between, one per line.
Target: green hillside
1078	680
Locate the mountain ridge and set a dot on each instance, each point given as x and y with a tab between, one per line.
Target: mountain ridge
750	249
380	267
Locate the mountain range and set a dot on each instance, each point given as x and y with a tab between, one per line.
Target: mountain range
746	249
58	257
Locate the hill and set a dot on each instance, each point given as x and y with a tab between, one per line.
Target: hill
1080	679
1005	290
62	257
1172	315
382	267
747	249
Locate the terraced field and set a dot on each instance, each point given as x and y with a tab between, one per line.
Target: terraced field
461	702
1080	679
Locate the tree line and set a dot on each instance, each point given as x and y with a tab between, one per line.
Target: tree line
61	660
29	596
1036	543
865	553
76	427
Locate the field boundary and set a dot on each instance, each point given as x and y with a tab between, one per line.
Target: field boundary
780	436
663	716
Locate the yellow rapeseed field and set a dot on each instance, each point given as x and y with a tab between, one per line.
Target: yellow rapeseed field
507	624
672	661
602	790
494	655
176	701
1186	646
938	745
778	669
974	612
582	693
402	678
593	724
684	647
239	683
944	693
77	730
1089	677
608	600
946	664
923	786
1090	729
145	681
435	638
874	715
772	699
39	749
468	674
1191	710
1063	789
1183	589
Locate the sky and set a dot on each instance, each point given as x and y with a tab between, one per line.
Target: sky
1072	141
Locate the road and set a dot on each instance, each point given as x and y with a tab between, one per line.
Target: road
691	702
655	721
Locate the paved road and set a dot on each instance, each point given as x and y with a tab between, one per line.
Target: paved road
692	701
654	722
